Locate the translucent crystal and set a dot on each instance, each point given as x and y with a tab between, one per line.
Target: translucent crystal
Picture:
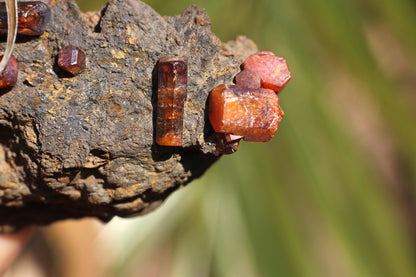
71	59
171	95
253	114
273	70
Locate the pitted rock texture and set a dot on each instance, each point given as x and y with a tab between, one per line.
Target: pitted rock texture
81	146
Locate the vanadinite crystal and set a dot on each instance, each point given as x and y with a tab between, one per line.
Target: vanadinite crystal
32	18
253	114
171	96
8	77
248	79
273	70
71	59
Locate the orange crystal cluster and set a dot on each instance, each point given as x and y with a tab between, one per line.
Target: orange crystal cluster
171	96
32	18
249	110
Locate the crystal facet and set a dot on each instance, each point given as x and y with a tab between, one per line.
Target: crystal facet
253	114
248	79
32	19
8	77
71	59
273	70
171	96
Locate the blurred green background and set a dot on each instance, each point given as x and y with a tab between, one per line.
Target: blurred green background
333	193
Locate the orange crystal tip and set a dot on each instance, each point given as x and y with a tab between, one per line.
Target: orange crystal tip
273	70
8	77
169	139
253	114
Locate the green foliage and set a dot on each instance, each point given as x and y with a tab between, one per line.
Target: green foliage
333	193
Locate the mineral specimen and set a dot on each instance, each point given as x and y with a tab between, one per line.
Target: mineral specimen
33	16
71	59
253	114
273	70
171	96
85	146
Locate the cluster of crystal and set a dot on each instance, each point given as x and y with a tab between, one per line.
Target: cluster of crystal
171	96
252	113
71	59
273	70
32	19
8	77
249	110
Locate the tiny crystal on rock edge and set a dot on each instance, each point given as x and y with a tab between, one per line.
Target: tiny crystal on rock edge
224	145
8	77
32	18
71	59
273	70
171	96
253	114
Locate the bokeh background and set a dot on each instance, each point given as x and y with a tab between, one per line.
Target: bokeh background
333	193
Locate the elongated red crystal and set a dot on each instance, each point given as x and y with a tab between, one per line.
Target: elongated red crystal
273	70
33	17
8	77
71	59
253	114
171	96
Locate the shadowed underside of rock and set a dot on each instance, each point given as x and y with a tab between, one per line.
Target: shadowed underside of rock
84	146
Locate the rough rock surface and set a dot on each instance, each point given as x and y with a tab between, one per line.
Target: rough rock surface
83	146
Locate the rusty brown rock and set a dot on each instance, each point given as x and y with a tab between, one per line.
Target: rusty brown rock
76	147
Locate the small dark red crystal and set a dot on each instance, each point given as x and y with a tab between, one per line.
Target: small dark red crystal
8	77
32	18
71	59
248	79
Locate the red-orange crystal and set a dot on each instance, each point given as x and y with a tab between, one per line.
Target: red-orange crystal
247	79
71	59
33	16
253	114
8	77
273	70
171	96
